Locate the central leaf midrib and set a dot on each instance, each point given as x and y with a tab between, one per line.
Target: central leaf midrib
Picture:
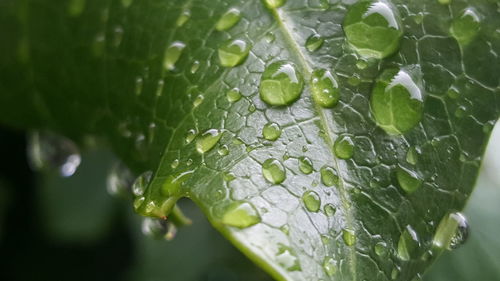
307	71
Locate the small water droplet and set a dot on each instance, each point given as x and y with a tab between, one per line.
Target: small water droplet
305	165
373	28
139	82
452	232
408	244
172	55
324	87
408	180
396	101
127	3
412	156
199	100
117	36
119	181
241	215
281	84
330	210
252	108
159	88
195	66
394	273
233	95
361	64
273	171
228	19
344	147
314	42
460	111
275	3
329	176
287	258
183	18
229	177
330	266
158	228
208	140
466	26
223	150
271	131
381	249
348	236
312	201
175	163
270	37
233	52
453	93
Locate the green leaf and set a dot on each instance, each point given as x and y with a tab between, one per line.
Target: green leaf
173	94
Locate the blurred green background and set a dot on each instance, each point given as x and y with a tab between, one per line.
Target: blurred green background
54	228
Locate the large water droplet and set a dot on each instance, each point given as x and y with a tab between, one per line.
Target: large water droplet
275	3
348	236
208	140
158	228
183	18
466	26
408	244
141	183
271	131
329	176
344	147
119	181
172	55
373	28
408	180
51	151
241	215
396	101
452	231
233	95
305	165
273	171
324	87
330	266
287	258
314	42
311	201
233	52
228	19
281	84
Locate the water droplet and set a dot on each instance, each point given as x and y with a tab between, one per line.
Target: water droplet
199	100
119	181
330	210
373	28
273	171
117	36
183	18
381	249
324	87
229	177
223	150
271	131
76	7
452	231
466	26
324	4
453	93
127	3
329	176
233	52
208	140
228	19
233	95
99	44
330	266
175	164
252	108
396	101
270	37
344	147
305	165
195	66
241	215
172	55
311	201
141	183
314	42
460	111
158	228
408	180
190	136
412	156
50	151
361	64
408	244
275	3
139	82
348	236
287	258
281	84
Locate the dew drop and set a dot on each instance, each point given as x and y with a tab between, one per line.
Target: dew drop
158	229
460	111
408	180
159	88
305	165
311	201
324	87
273	171
139	83
287	258
344	147
190	136
233	95
381	249
141	183
119	181
271	131
329	176
117	36
452	232
408	244
361	64
183	18
412	156
330	266
223	150
199	100
208	140
138	202
233	52
330	210
252	108
373	28
466	26
275	3
314	42
228	19
281	84
348	236
172	55
396	101
195	66
241	215
453	93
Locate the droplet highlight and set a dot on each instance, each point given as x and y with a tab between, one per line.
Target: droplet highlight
271	131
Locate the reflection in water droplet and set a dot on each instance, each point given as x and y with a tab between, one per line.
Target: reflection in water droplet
466	26
314	42
141	183
305	165
408	180
241	215
311	201
396	101
119	181
233	95
271	131
287	258
373	28
228	19
408	244
330	266
172	55
452	232
273	171
281	84
344	147
183	18
348	236
324	87
233	52
329	176
208	140
275	3
49	151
